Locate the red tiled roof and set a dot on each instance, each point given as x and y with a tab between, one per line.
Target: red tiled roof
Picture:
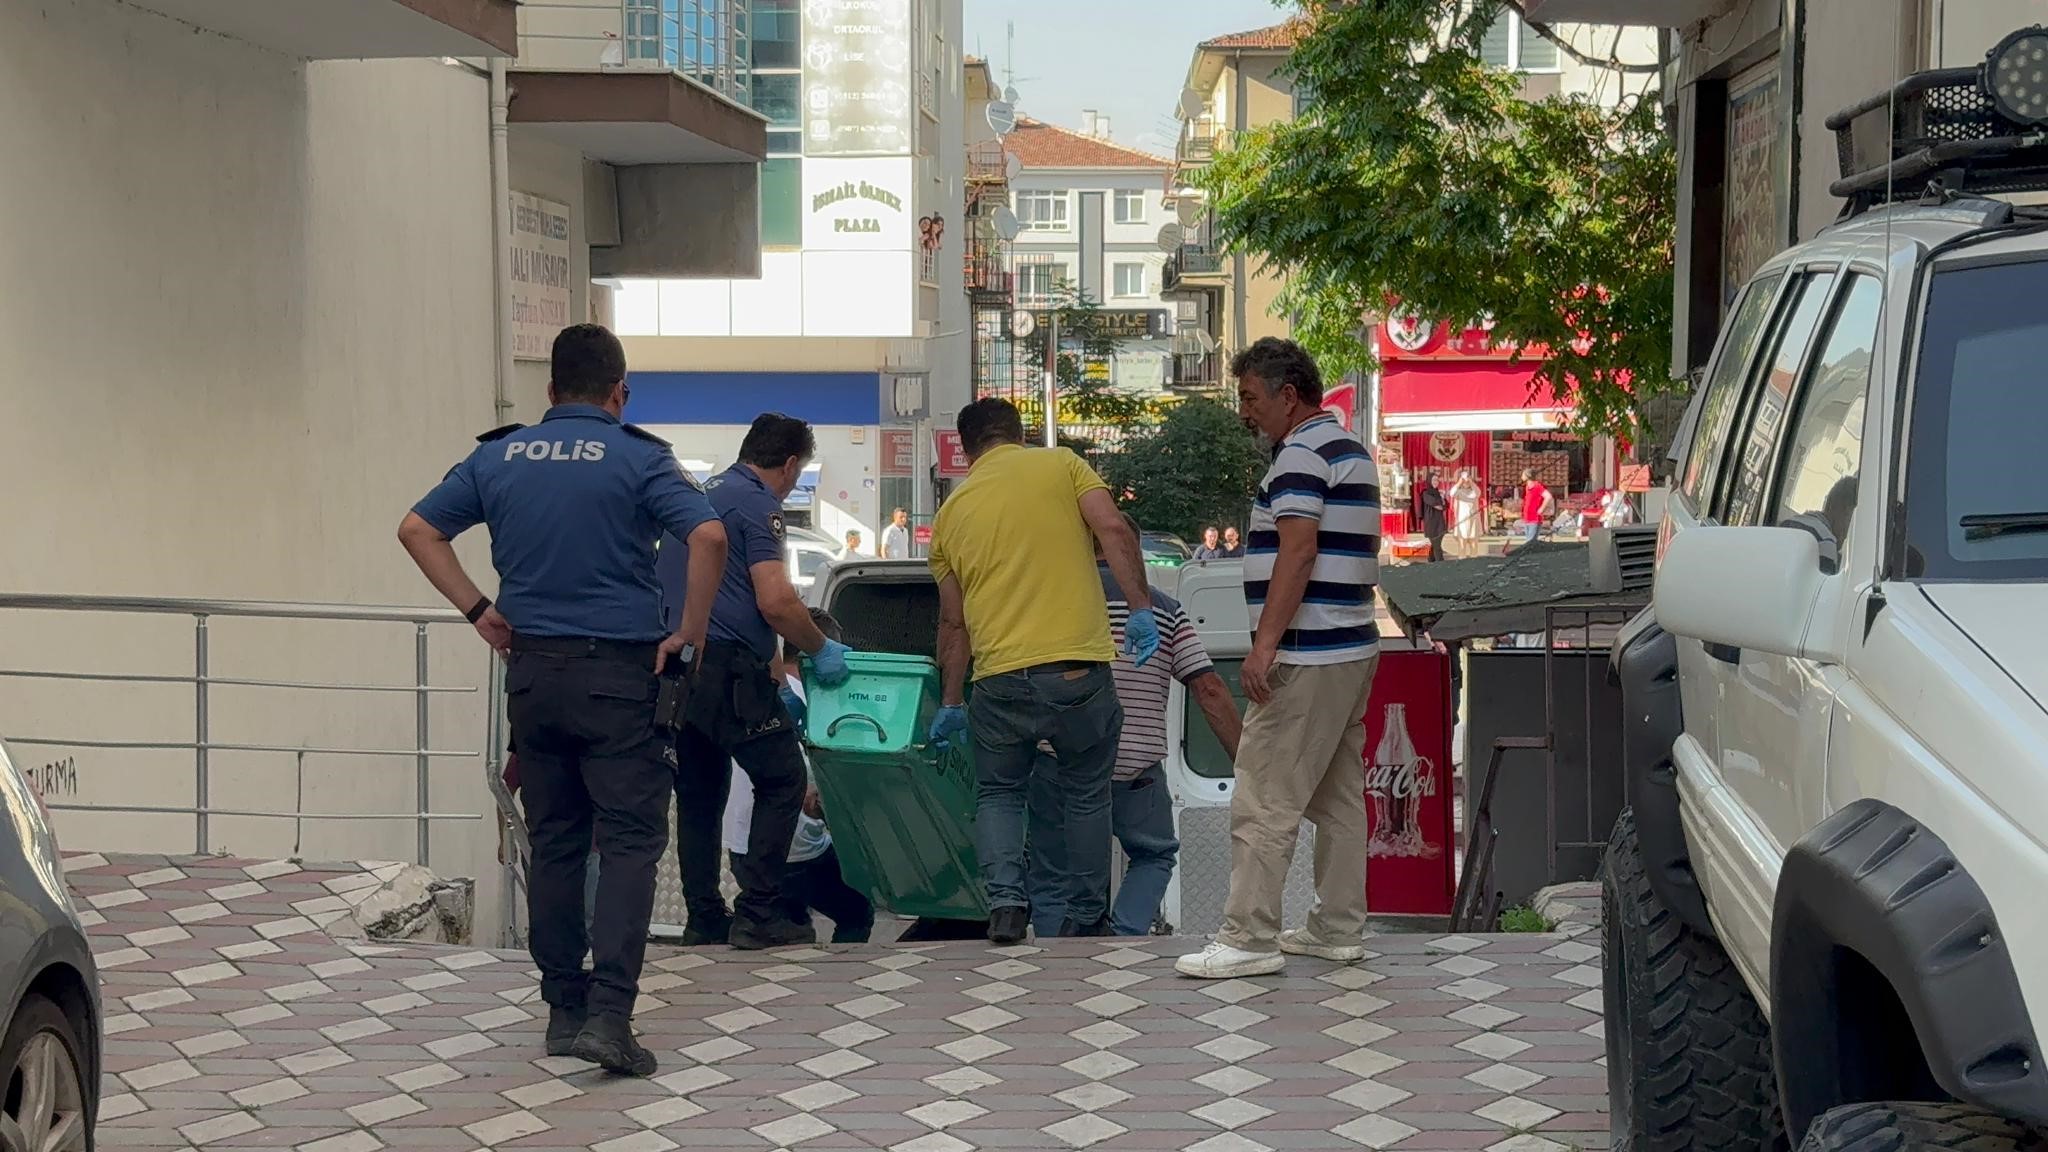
1278	36
1037	144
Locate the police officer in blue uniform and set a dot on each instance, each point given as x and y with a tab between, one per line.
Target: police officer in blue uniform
574	506
736	710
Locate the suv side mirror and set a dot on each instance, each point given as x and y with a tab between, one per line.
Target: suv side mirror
1740	588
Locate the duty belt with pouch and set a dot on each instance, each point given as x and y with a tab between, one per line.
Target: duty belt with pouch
672	701
740	698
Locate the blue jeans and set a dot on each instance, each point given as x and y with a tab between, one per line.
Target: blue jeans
1072	707
1141	813
1529	530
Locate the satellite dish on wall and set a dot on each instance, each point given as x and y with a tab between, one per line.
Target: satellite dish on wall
1187	210
1009	94
1171	237
1002	117
1190	104
1013	165
1208	341
1005	222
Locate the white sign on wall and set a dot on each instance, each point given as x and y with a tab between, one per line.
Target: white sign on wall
539	269
857	205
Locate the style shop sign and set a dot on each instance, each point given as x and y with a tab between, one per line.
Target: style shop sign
857	205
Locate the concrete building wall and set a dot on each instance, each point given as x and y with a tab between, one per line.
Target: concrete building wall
254	322
546	169
572	34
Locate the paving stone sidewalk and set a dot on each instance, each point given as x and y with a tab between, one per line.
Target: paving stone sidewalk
234	1021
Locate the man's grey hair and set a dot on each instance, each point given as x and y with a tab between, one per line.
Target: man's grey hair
1277	363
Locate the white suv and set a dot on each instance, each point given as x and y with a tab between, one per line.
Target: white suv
1827	905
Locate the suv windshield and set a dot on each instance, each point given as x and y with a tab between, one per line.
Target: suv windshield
1975	507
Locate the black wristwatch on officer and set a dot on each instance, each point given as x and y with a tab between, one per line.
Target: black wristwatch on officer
477	610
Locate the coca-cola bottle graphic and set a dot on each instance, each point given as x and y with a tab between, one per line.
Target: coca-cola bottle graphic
1396	782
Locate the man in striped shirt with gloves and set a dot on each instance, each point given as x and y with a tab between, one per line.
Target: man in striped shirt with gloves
1140	801
1309	575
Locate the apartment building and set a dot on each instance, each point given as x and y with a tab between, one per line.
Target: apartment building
857	320
1092	211
283	272
1235	82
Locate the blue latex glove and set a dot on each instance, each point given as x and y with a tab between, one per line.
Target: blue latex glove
831	664
950	722
1141	636
794	703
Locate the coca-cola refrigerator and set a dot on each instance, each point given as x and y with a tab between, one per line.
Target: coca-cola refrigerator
1408	789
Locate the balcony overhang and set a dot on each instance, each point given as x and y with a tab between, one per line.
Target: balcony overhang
357	29
1642	13
638	116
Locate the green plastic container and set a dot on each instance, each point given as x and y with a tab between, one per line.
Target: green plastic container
901	811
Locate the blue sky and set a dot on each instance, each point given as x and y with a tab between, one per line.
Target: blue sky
1127	59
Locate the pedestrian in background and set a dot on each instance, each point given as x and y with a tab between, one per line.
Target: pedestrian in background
1013	551
1537	505
574	505
1211	547
1141	801
852	550
896	537
1233	544
1436	521
1309	582
736	710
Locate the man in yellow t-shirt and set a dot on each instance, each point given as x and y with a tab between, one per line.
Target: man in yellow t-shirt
1013	551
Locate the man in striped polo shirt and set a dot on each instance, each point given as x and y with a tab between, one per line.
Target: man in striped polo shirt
1140	800
1308	578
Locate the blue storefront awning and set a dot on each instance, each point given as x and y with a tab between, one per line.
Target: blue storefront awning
845	398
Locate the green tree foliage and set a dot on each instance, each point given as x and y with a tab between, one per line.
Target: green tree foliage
1199	466
1420	175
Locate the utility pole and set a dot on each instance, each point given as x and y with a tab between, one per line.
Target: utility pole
1010	54
1052	380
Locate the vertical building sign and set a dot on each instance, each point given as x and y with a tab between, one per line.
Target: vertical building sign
1757	177
857	78
539	270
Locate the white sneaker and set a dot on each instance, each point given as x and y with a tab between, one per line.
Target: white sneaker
1302	942
1222	962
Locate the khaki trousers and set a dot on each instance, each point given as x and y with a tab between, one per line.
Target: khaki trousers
1302	756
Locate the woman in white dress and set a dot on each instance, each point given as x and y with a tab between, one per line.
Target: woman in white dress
1468	513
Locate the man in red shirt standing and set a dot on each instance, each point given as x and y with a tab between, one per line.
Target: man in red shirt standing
1537	505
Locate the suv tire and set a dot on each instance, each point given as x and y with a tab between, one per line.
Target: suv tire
1918	1127
1688	1052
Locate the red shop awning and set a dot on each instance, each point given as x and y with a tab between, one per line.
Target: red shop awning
1465	396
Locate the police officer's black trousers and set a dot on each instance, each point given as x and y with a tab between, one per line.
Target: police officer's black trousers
737	716
590	756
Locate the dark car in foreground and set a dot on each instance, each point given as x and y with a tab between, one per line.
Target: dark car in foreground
50	1048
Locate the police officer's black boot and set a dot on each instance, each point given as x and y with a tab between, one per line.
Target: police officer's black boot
564	1024
708	926
608	1042
752	936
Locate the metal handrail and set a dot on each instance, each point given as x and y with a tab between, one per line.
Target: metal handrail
200	611
267	609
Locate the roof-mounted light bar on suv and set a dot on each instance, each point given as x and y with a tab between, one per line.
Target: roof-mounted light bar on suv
1950	131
